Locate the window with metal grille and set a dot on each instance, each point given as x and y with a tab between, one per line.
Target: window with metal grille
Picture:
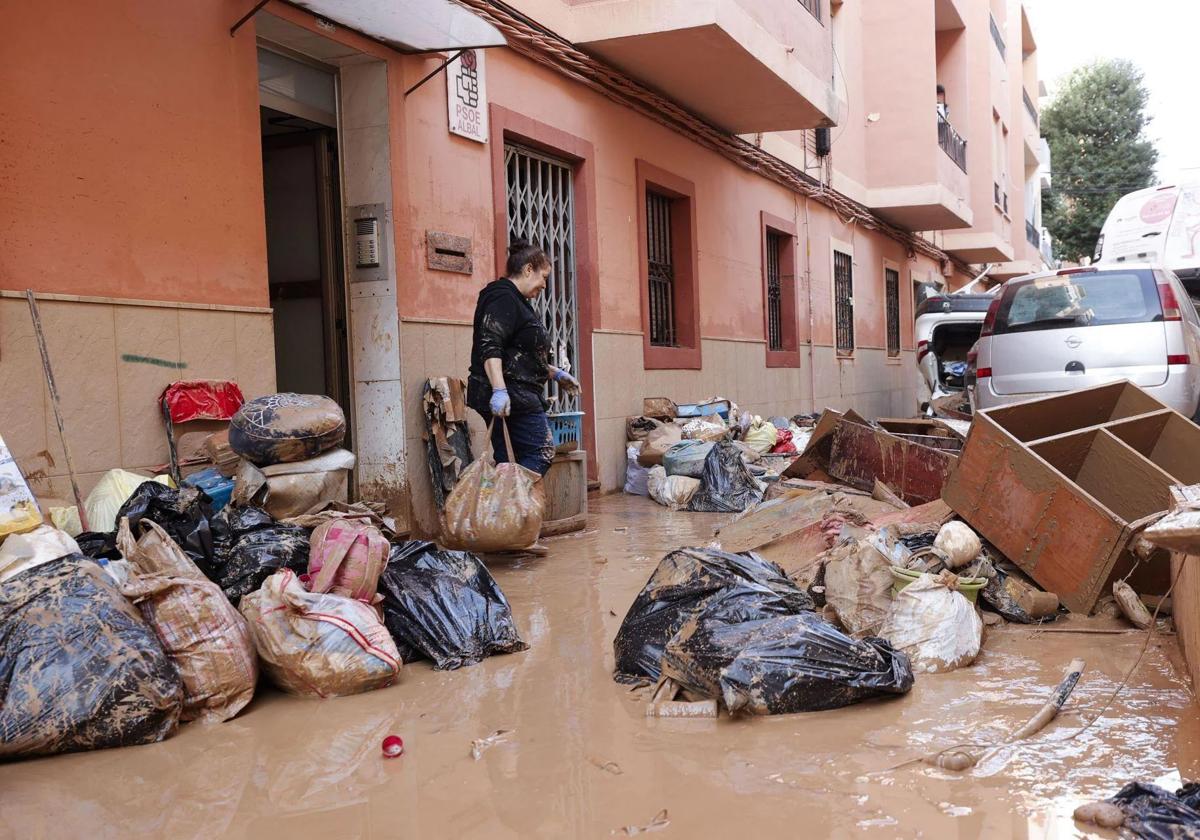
660	269
891	279
843	294
775	245
541	208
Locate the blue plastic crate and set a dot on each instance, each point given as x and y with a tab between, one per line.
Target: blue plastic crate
567	429
218	487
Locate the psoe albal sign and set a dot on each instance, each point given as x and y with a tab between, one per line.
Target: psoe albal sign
466	96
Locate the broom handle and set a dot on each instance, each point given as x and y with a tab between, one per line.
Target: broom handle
62	432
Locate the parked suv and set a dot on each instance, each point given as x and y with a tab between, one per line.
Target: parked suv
1079	327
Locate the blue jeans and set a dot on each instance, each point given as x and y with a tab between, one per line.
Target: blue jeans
531	440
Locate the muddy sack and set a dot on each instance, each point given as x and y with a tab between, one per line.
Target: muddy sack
1156	814
782	664
445	606
726	485
250	547
936	626
685	583
318	645
657	442
79	667
673	492
858	586
280	428
184	514
494	507
687	458
199	630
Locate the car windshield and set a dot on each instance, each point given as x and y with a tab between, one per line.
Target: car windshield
1090	299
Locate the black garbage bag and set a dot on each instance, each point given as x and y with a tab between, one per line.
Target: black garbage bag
184	514
782	664
250	546
1156	814
445	606
79	667
687	581
233	523
98	545
726	484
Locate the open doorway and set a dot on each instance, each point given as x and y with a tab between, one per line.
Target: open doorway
302	199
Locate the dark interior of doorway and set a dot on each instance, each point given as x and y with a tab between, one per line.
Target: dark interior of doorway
304	256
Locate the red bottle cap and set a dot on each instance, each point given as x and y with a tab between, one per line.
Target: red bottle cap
393	745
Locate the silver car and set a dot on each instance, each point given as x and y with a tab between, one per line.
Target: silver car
1079	327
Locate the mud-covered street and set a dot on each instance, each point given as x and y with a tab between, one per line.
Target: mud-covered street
581	759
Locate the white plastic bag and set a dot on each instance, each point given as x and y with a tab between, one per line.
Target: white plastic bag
112	490
936	626
761	436
21	552
674	491
635	473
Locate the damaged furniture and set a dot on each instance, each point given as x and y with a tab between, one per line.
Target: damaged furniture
1063	485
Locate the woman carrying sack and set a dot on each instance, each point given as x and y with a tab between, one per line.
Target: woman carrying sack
510	360
510	364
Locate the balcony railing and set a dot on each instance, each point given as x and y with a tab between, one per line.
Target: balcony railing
1029	106
996	36
814	6
952	143
1033	235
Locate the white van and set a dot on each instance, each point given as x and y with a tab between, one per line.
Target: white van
1159	225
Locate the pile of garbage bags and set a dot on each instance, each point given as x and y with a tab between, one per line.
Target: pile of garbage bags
681	441
116	637
735	628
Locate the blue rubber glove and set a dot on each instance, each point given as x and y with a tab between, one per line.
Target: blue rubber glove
500	404
569	383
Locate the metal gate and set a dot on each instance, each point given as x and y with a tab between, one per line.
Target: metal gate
541	208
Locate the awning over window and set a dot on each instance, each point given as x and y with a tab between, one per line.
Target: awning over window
410	25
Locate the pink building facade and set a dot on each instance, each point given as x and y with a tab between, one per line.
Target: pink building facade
744	198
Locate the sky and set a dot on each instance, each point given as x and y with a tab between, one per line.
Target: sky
1159	36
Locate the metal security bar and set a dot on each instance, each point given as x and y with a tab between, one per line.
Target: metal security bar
997	37
952	144
541	208
843	294
891	280
813	6
1032	235
775	244
1030	108
661	269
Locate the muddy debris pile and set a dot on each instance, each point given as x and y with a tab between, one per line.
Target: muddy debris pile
708	456
909	535
113	638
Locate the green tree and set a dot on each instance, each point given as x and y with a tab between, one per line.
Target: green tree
1098	151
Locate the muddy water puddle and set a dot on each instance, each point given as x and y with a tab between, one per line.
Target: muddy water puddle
578	757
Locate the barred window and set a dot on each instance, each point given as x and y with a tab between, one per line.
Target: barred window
661	269
775	244
891	279
843	294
